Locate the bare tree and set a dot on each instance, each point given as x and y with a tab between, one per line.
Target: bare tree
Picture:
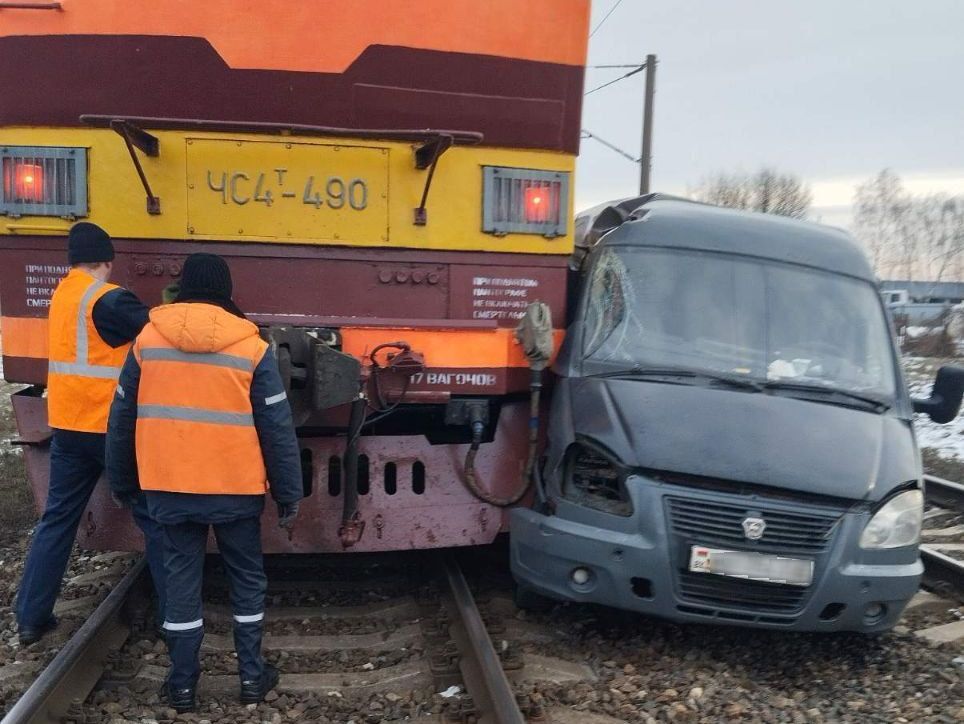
791	197
937	224
909	236
878	205
767	190
730	190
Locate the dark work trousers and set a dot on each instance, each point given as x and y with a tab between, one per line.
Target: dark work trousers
239	542
76	463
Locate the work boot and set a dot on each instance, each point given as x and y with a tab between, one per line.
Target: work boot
32	634
252	692
181	700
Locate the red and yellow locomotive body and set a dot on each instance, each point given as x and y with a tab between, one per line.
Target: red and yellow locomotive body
376	173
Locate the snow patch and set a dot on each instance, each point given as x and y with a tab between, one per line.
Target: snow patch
915	332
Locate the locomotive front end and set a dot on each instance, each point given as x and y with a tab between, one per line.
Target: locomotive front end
390	202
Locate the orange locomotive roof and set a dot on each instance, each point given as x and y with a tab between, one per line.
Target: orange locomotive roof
321	36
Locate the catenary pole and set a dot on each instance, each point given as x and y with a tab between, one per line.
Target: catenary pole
646	158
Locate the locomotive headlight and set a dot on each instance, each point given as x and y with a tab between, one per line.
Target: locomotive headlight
897	523
524	201
43	181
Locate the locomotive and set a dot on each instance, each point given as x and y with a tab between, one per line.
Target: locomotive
391	184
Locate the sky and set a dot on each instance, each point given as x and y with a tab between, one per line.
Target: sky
830	90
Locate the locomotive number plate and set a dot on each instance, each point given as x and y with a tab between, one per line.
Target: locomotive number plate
287	191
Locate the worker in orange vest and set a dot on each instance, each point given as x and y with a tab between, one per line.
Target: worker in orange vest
91	326
201	422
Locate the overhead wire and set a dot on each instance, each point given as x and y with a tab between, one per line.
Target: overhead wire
636	69
612	146
600	24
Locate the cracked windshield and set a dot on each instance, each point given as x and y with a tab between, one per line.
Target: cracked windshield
762	321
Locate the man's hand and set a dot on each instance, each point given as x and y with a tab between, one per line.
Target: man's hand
170	292
287	513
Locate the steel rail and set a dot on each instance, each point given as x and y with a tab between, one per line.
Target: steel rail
75	670
942	571
481	669
944	492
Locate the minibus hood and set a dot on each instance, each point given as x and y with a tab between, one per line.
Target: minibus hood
745	436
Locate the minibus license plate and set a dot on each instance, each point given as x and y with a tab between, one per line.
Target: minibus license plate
752	566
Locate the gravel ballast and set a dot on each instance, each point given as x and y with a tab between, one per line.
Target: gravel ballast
653	670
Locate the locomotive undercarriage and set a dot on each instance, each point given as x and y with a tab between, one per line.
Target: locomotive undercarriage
409	490
423	406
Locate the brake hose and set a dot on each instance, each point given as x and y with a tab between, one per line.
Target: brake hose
535	335
470	478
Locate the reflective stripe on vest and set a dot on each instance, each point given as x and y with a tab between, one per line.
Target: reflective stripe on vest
83	347
200	358
193	414
81	367
101	372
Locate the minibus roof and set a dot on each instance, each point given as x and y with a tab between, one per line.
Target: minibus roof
661	221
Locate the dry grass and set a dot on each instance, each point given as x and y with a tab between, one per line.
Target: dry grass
17	513
929	345
949	469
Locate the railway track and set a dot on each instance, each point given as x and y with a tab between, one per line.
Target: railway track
356	637
396	641
78	666
481	668
944	571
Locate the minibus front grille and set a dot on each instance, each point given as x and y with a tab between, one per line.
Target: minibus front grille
707	522
714	590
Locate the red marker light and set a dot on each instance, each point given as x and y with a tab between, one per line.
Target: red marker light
537	205
29	183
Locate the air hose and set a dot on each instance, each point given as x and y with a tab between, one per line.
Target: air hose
352	527
534	333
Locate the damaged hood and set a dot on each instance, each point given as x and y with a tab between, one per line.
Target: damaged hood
195	327
748	437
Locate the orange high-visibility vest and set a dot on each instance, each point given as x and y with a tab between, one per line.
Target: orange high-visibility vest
83	369
195	429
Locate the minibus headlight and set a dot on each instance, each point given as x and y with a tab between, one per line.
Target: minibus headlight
594	480
897	523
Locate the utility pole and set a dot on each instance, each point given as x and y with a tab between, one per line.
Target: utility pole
646	159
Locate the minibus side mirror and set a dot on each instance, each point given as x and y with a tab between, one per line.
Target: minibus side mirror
945	400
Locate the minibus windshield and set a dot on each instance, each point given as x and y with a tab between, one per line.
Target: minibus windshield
781	325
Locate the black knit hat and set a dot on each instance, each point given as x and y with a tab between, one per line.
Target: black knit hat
88	244
205	276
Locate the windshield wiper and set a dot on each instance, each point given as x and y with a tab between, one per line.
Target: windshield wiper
680	372
842	396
